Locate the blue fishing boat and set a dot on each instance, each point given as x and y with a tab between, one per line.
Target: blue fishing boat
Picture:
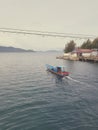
58	70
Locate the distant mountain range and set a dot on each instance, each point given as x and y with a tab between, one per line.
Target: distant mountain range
53	51
13	49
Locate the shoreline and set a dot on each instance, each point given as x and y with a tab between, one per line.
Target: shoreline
79	58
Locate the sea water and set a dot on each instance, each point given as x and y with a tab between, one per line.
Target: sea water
33	99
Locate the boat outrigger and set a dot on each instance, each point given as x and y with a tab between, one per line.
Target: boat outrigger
58	70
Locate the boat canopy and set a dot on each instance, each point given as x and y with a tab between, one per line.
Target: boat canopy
56	68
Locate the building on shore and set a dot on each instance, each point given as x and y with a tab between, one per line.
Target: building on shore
81	54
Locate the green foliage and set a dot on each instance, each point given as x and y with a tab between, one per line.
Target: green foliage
95	43
87	45
69	46
90	45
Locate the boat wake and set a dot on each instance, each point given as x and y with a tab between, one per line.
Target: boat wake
68	77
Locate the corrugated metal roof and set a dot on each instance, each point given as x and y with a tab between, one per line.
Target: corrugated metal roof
82	51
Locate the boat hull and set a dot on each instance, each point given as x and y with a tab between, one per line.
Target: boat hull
60	74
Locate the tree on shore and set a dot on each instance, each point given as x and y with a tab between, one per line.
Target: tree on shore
87	45
70	46
90	44
95	43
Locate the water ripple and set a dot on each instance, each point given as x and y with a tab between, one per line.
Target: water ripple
33	99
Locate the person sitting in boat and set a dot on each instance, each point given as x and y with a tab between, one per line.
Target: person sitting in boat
59	69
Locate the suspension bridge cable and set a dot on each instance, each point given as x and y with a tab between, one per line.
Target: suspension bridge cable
46	33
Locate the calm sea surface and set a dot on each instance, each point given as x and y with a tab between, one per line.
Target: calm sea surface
33	99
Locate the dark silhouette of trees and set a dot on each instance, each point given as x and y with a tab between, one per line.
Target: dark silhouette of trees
87	45
90	44
95	43
69	46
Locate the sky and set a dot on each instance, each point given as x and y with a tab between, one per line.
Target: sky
62	16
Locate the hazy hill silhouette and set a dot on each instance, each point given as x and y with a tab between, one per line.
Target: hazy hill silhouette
13	49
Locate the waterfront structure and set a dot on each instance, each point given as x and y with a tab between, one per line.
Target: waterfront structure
82	55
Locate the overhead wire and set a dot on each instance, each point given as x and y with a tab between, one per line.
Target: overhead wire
46	33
